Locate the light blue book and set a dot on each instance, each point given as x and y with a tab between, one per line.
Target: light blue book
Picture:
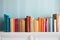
51	27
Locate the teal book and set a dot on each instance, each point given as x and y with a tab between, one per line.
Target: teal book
6	23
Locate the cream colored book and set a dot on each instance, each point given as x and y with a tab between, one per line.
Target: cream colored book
35	25
22	25
54	25
31	24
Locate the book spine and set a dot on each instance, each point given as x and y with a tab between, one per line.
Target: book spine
5	23
22	25
8	24
54	25
31	24
12	24
59	24
51	28
42	25
16	25
46	25
35	26
27	24
39	24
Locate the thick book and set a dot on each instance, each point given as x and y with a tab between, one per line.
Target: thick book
12	24
27	26
56	17
39	24
46	25
16	25
6	23
35	25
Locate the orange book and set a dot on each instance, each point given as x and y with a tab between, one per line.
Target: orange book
12	24
22	25
42	25
35	26
39	24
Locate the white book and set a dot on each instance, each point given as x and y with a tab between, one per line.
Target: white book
54	25
59	24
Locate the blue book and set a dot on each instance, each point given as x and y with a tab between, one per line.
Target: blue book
6	23
51	27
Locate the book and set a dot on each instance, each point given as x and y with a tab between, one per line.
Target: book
6	23
51	27
46	25
42	25
39	24
12	24
35	25
56	17
16	25
31	24
22	25
27	28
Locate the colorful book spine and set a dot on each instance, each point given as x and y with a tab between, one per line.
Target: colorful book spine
39	24
5	23
27	24
35	26
22	25
31	24
56	17
12	24
8	24
42	25
16	25
51	27
46	25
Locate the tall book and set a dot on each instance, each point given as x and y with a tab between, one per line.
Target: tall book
12	24
22	25
56	17
46	25
42	25
16	25
51	27
35	25
6	23
27	24
39	24
31	24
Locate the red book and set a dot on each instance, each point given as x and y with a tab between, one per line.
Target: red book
27	24
16	25
46	25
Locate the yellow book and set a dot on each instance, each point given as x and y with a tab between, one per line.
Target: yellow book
22	25
12	24
35	25
19	25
